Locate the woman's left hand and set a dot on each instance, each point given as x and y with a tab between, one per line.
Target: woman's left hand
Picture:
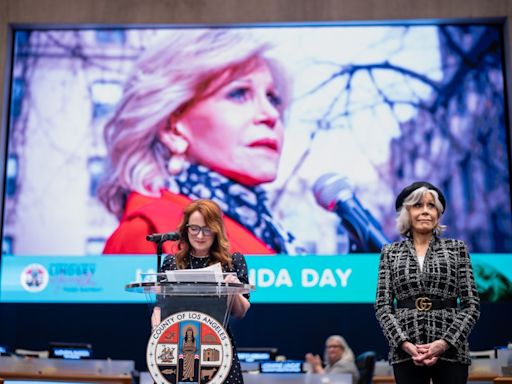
230	278
240	304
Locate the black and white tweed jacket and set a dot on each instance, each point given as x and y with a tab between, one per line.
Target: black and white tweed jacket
447	274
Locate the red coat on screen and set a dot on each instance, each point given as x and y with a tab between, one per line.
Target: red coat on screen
145	215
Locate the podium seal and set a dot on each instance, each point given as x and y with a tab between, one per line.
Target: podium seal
191	347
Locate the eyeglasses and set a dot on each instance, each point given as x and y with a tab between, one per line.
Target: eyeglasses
196	229
332	346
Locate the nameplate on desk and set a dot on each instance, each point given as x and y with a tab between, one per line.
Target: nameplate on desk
289	366
250	357
73	351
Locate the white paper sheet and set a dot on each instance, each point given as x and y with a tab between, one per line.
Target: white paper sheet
210	274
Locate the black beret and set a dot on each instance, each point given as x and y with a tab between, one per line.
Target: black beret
414	186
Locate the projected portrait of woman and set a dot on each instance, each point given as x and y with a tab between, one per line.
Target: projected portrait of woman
201	117
166	115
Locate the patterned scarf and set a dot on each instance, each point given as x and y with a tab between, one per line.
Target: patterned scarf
245	205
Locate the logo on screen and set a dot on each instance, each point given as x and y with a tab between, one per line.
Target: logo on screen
189	346
34	278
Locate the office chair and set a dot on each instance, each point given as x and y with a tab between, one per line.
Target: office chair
365	363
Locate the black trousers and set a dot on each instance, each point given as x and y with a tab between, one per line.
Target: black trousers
442	372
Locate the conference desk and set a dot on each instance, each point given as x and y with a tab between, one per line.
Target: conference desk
482	378
91	371
297	378
334	379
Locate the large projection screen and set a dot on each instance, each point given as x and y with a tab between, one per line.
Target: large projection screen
368	109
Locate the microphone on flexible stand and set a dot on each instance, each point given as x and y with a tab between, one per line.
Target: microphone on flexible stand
159	239
334	193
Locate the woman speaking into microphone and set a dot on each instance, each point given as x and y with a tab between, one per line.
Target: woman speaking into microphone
203	242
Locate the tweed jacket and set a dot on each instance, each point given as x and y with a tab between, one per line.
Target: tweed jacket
447	274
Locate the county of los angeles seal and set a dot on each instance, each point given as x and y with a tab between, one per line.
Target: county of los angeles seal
189	347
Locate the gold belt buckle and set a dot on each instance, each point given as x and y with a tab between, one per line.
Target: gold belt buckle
423	304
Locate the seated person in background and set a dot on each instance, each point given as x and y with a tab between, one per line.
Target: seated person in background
338	356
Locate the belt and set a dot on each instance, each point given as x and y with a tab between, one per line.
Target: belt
426	304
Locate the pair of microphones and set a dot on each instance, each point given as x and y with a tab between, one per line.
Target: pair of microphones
334	193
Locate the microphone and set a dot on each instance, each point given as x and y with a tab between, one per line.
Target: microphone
161	237
334	193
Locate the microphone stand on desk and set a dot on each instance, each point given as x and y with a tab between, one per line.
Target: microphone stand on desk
159	246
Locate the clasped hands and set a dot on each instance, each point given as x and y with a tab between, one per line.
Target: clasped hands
315	363
425	354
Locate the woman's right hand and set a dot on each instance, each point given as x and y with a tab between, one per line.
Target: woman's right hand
412	350
156	318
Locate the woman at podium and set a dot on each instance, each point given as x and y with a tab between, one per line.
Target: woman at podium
204	243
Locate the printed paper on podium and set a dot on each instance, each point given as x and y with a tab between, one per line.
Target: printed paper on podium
210	274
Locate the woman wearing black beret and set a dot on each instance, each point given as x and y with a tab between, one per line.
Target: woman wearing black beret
427	302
